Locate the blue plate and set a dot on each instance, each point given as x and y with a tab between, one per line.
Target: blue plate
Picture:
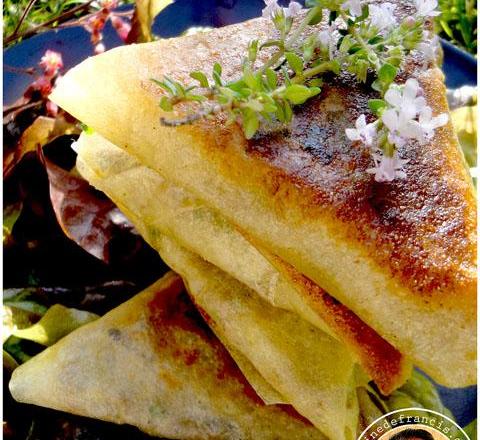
74	44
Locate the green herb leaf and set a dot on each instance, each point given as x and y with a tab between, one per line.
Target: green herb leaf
217	68
387	73
250	122
166	104
201	78
376	105
164	86
315	15
252	51
271	78
298	94
295	62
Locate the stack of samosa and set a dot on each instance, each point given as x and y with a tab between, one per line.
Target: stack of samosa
318	281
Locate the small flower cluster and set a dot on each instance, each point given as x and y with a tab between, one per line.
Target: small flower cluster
272	8
51	63
360	38
403	116
96	23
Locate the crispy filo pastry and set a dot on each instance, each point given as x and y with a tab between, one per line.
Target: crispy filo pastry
167	209
154	363
310	370
400	255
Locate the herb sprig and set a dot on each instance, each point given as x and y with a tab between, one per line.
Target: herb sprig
360	38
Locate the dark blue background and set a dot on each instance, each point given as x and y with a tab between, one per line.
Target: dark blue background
74	44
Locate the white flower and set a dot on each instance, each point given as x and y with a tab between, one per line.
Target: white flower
406	99
328	39
386	168
381	16
363	132
293	9
426	8
271	6
429	124
428	47
401	126
354	6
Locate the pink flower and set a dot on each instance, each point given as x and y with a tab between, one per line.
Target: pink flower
51	62
52	108
122	27
387	168
43	85
99	48
109	4
96	23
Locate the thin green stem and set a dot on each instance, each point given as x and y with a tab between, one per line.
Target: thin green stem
311	72
301	28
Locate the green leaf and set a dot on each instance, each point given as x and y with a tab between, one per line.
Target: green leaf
446	28
9	363
271	78
55	324
252	51
217	68
315	15
295	62
377	85
249	77
196	98
286	77
471	429
335	67
217	79
167	87
465	29
270	43
316	82
298	94
15	347
375	39
419	392
288	112
201	78
376	105
27	306
387	73
166	104
250	123
361	70
11	213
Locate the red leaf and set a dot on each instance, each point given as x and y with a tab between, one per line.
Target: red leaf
83	215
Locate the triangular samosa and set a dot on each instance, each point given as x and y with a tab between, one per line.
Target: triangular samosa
154	363
401	255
